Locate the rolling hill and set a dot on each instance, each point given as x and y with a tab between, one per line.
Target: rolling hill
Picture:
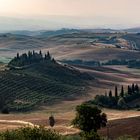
130	128
133	30
44	82
73	44
37	84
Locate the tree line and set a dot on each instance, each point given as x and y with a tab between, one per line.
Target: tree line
30	58
132	63
118	100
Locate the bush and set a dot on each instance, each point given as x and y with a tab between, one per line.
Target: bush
76	137
5	111
125	138
28	133
109	102
90	136
138	109
122	104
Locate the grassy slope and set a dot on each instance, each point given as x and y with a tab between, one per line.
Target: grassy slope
42	83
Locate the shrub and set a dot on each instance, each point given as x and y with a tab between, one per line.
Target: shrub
28	133
105	101
138	109
76	137
122	104
125	138
90	136
5	110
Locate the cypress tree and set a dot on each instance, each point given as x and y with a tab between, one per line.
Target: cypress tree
105	94
48	55
53	60
116	92
17	55
122	92
137	88
29	54
129	90
133	88
33	53
110	93
40	53
45	56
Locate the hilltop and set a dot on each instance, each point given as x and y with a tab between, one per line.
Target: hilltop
34	80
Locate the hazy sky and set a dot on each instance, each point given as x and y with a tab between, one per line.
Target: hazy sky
109	12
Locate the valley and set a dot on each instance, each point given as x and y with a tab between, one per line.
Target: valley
105	79
69	70
34	88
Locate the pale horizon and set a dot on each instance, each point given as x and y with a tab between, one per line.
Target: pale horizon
54	14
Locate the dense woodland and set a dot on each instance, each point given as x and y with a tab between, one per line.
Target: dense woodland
119	100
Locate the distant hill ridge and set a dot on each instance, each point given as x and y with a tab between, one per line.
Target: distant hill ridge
67	31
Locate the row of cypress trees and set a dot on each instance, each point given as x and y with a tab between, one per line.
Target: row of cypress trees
132	89
30	58
119	100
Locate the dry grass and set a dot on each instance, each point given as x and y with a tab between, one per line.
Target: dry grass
64	112
117	128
